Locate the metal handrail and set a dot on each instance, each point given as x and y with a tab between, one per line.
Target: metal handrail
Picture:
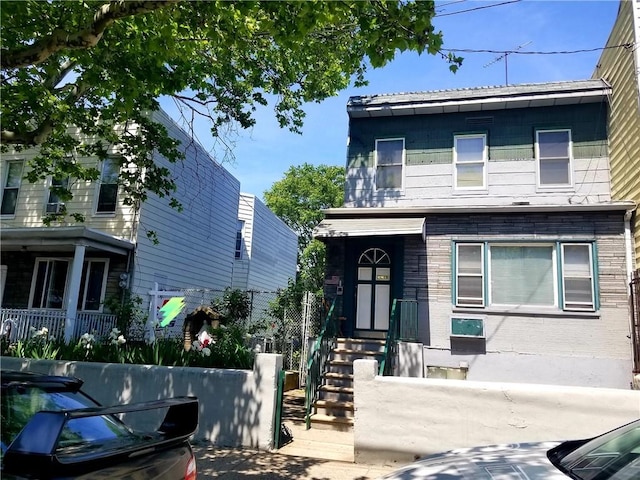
386	366
316	366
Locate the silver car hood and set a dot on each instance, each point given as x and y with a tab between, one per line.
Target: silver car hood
524	461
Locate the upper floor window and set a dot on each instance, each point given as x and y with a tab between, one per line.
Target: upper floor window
553	156
470	159
389	163
11	186
522	274
54	203
239	235
108	189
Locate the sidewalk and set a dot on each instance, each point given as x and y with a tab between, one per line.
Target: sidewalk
236	464
312	455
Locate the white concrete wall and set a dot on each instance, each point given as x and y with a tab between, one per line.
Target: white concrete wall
560	369
236	406
398	418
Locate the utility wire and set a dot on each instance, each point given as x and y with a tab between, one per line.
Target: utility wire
628	46
475	8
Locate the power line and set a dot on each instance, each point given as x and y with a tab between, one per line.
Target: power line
556	52
475	8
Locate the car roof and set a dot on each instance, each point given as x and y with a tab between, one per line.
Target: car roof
25	378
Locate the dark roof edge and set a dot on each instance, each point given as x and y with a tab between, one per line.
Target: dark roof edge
413	211
478	94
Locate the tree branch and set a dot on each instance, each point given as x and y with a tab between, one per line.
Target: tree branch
85	39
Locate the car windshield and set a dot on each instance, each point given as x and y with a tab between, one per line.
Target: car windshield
19	403
612	456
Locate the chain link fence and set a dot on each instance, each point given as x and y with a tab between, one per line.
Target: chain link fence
289	333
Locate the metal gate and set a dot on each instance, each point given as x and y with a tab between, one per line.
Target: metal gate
634	287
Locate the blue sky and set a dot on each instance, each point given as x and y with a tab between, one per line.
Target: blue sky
265	152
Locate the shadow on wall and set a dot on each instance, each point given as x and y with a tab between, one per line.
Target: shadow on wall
236	406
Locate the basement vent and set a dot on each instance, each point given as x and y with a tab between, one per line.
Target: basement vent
479	120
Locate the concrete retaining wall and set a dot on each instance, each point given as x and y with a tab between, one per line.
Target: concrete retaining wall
236	406
398	418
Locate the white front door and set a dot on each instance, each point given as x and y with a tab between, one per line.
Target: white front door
373	298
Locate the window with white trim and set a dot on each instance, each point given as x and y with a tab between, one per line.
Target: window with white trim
108	188
577	275
553	158
554	274
389	163
239	235
50	279
54	202
49	283
93	285
11	186
470	161
469	275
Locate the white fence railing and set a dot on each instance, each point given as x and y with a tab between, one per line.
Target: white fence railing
18	322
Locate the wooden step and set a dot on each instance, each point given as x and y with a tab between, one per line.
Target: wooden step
338	379
319	420
333	388
338	376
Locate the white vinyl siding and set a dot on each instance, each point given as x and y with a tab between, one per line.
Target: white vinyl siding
553	157
470	162
196	246
389	163
525	275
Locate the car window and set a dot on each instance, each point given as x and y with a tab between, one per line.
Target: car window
612	456
20	403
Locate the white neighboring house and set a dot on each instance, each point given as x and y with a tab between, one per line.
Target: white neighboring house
266	248
62	274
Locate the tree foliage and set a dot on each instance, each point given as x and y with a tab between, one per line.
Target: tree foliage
298	199
101	67
304	191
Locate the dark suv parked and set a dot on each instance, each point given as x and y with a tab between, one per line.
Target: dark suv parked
51	429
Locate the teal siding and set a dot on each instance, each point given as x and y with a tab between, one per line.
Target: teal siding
511	134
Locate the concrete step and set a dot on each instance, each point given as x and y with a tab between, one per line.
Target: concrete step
331	422
334	408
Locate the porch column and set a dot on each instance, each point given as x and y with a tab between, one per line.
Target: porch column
73	293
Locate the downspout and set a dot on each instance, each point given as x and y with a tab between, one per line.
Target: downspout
628	244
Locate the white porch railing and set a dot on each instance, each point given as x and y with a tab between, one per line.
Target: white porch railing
21	320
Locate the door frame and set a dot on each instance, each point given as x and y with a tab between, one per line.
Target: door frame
394	247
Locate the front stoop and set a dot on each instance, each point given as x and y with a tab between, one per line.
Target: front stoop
334	408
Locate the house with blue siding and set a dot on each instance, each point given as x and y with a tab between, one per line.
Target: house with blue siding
482	219
266	254
66	275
